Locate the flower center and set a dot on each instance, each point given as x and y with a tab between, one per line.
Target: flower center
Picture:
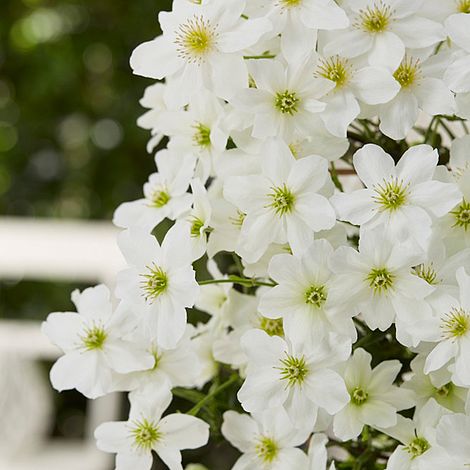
202	135
282	200
359	396
274	327
428	273
444	391
94	337
418	446
407	73
196	227
336	69
380	280
155	283
391	195
456	323
195	39
267	449
463	6
316	295
160	198
145	434
293	369
286	102
375	19
462	215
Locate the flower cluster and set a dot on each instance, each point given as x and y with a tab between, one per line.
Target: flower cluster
320	324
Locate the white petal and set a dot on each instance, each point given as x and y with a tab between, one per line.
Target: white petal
434	97
375	85
417	164
399	116
442	353
388	51
356	207
183	431
373	165
239	429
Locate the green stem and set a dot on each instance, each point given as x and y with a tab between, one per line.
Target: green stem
263	56
446	128
335	178
197	407
244	281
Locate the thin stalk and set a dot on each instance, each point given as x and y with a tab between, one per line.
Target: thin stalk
335	178
243	281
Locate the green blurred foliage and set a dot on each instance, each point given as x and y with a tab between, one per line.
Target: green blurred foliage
69	144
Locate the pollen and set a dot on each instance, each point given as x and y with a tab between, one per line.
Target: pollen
294	370
202	135
463	6
282	200
375	19
94	337
160	198
462	215
286	102
380	280
456	323
408	72
154	283
267	449
391	195
145	434
336	69
418	446
316	295
359	396
195	39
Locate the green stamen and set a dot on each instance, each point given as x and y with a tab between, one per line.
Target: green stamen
145	434
417	447
274	327
155	283
391	195
407	73
380	280
316	295
282	200
267	449
286	102
462	215
160	198
335	69
456	323
358	396
202	135
375	19
94	337
428	273
294	370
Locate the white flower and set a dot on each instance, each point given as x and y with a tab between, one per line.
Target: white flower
451	331
159	283
374	401
296	376
301	297
354	84
282	204
417	437
382	29
285	100
134	440
267	440
201	47
418	91
378	282
93	343
165	194
298	22
400	198
436	385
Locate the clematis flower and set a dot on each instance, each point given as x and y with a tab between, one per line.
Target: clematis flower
282	204
159	283
373	400
294	375
201	47
146	430
267	440
94	344
401	198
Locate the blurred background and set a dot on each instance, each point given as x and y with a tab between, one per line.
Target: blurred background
70	152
